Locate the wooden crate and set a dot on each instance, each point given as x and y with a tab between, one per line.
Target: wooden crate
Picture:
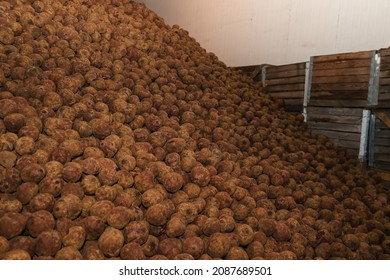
342	126
341	80
287	82
379	146
384	79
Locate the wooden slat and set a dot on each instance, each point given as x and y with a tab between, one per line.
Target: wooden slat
293	87
382	133
335	95
334	111
382	150
382	157
340	87
382	165
334	127
352	152
340	142
338	134
382	142
339	103
347	144
287	94
286	74
343	79
384	74
334	119
385	52
384	89
383	103
385	65
284	81
341	72
384	96
384	81
343	56
342	64
286	68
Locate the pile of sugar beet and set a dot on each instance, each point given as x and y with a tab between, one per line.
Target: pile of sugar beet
122	138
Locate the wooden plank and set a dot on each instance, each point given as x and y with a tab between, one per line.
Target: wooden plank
384	61
382	133
335	95
382	150
344	56
293	87
384	74
384	89
287	94
297	108
382	157
385	65
382	141
334	127
385	52
338	134
342	64
286	68
384	166
384	96
334	119
341	72
284	81
383	104
384	81
286	74
340	87
347	144
341	79
339	103
353	152
335	111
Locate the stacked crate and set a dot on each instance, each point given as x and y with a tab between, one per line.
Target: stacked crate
338	96
345	97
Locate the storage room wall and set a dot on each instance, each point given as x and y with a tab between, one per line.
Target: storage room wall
247	32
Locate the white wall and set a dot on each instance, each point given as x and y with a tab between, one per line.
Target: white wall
247	32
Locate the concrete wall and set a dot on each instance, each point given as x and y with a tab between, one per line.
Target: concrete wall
247	32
